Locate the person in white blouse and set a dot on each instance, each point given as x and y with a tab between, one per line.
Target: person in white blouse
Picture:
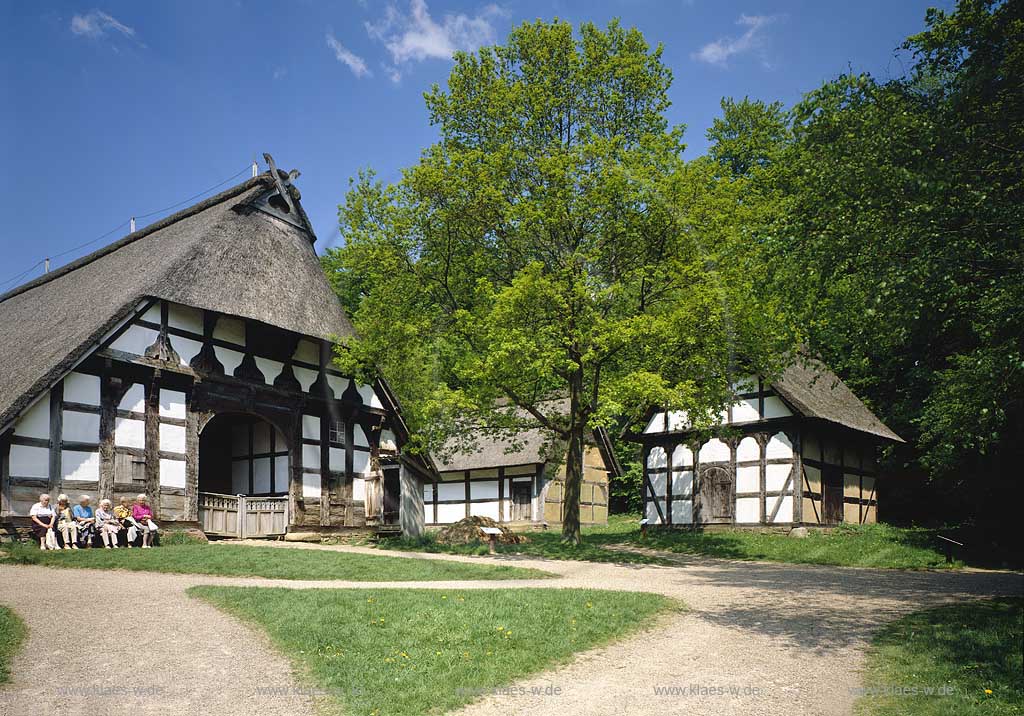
43	517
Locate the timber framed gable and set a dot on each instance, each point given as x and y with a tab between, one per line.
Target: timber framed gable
801	451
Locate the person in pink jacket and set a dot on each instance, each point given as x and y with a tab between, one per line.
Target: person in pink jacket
142	513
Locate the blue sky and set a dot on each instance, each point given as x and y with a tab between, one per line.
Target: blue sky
116	109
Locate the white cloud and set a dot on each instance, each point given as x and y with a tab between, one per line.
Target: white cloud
348	58
417	36
393	73
97	24
719	51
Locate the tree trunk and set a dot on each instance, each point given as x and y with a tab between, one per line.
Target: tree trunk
573	464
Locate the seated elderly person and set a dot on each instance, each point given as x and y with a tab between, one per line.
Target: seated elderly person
86	519
43	517
107	524
67	525
123	512
142	514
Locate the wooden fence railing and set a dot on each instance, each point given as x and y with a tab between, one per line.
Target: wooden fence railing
242	517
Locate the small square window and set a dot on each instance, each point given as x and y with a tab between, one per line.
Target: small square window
337	436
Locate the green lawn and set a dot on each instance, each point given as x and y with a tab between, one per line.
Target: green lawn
972	651
880	546
270	562
12	633
424	651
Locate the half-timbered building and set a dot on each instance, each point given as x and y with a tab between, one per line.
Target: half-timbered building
520	481
801	450
192	361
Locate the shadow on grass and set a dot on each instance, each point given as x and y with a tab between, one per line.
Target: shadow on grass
621	542
973	648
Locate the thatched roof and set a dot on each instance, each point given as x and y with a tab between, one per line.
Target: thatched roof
532	445
492	451
816	392
220	255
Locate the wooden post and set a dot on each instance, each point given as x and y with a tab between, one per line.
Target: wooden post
241	516
295	470
644	479
56	476
191	460
109	398
668	483
762	441
346	486
6	507
798	478
501	494
325	463
733	450
152	451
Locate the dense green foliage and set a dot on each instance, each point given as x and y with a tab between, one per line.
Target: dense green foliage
269	562
554	245
419	651
897	244
879	546
968	656
12	633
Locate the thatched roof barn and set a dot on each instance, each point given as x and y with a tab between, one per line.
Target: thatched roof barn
518	479
191	359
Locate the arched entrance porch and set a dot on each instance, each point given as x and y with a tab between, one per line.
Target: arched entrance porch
243	477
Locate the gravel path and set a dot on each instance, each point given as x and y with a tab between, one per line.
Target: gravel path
758	639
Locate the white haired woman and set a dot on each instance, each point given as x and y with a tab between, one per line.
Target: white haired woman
86	519
43	517
107	524
67	525
142	513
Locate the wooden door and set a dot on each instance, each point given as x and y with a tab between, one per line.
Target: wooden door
392	495
521	502
832	495
715	494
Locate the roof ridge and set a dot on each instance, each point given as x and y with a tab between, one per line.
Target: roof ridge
141	233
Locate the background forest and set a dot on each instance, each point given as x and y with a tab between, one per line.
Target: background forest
876	223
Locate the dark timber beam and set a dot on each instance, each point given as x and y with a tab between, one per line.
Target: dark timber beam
56	438
152	392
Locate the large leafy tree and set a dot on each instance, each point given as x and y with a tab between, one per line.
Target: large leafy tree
552	261
898	240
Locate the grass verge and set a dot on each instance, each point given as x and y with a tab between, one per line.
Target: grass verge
269	562
12	633
427	651
967	655
880	546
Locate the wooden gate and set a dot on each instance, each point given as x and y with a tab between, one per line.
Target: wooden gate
242	517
